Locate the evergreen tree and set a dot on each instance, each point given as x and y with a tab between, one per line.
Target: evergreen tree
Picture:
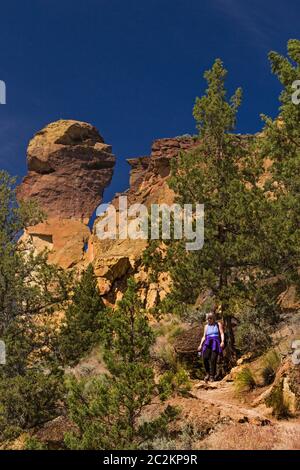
280	142
85	319
30	291
108	409
223	173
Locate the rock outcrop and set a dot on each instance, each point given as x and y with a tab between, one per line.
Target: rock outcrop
115	260
66	240
283	396
69	167
52	433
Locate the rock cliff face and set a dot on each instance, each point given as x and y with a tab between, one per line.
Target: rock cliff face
115	260
69	167
65	239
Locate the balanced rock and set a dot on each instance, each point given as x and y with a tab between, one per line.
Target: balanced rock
69	167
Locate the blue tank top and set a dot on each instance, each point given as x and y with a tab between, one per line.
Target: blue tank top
212	331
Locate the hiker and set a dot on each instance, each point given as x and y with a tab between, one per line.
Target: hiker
211	346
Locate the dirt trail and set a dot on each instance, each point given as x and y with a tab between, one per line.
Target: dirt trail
246	427
222	395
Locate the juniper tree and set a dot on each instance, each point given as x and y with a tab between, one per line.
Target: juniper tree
280	143
84	321
30	291
222	172
108	409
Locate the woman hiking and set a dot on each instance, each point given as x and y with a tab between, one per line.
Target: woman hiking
211	346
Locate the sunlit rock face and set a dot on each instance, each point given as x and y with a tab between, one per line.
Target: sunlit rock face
116	260
65	240
69	166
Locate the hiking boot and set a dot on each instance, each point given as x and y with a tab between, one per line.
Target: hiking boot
211	378
206	378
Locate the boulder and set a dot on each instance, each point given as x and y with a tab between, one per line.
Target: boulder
188	341
52	433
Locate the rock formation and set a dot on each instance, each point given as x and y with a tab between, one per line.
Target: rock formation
115	260
69	167
65	239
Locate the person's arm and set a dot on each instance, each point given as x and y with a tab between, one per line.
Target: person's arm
221	334
203	338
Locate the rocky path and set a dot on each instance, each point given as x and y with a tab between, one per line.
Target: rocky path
238	413
222	395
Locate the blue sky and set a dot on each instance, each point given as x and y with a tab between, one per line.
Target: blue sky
132	68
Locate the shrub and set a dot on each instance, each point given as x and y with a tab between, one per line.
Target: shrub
27	401
276	401
244	380
161	443
32	443
271	362
190	435
167	358
108	409
172	383
169	327
187	438
252	333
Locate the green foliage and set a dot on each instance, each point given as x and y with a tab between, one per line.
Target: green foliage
169	327
85	319
171	383
28	285
187	437
244	380
271	362
280	142
158	427
191	434
213	114
108	409
253	333
166	358
250	237
221	172
34	444
28	400
30	291
174	377
276	401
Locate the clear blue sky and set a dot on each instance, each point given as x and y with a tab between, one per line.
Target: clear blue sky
132	67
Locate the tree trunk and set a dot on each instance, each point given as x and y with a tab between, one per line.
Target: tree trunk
230	351
230	354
